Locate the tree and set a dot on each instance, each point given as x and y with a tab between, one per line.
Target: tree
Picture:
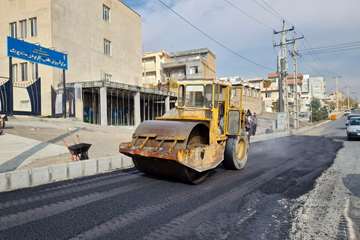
318	113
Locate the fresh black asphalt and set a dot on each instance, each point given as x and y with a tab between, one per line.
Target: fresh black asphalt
250	204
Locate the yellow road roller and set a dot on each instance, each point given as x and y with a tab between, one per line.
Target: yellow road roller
205	129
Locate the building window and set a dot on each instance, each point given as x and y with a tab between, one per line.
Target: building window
24	71
15	72
106	13
33	27
268	95
13	29
23	28
194	70
107	77
34	71
107	47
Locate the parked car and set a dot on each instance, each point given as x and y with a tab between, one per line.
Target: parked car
347	112
353	128
348	117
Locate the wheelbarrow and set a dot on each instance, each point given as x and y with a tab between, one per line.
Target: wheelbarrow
79	151
3	119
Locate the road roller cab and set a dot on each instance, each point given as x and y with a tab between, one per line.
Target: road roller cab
204	130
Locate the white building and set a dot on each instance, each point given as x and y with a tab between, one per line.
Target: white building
317	87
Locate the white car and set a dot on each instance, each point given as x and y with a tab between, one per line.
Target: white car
353	128
348	117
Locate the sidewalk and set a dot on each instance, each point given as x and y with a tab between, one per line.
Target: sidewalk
16	151
44	139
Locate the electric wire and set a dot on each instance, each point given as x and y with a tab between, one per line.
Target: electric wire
212	38
248	15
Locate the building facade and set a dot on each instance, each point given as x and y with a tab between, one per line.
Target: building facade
192	64
247	91
152	68
317	87
104	45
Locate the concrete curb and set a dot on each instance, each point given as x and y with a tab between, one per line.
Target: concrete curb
269	136
305	129
264	137
20	179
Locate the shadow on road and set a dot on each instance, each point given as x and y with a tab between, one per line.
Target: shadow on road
15	162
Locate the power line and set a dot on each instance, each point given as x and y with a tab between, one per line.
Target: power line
331	51
248	15
272	9
266	9
356	43
276	14
212	38
332	48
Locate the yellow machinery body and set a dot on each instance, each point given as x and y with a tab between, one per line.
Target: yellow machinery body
194	137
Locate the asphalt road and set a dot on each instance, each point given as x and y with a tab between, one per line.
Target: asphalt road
253	203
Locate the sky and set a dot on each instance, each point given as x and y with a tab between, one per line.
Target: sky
322	22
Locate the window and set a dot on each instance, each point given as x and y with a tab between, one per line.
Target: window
13	29
194	70
181	96
107	47
23	28
208	95
34	71
234	122
33	27
106	13
194	96
268	95
15	72
233	92
107	77
24	71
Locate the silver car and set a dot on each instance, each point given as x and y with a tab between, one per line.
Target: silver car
353	128
348	117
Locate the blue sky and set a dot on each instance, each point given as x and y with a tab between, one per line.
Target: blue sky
322	23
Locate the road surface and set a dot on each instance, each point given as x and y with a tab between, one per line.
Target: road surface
255	203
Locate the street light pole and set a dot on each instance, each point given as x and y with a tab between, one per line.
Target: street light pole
348	97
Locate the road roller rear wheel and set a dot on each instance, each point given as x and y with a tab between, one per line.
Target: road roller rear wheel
236	151
169	169
194	177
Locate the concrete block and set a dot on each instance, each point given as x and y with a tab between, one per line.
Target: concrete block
127	163
3	182
19	179
75	170
103	165
90	167
40	176
58	172
117	163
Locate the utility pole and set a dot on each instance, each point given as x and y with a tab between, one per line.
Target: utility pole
282	62
337	93
294	55
282	72
348	97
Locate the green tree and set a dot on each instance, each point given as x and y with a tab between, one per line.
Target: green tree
318	113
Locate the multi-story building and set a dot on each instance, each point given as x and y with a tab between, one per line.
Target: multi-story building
104	45
317	87
192	64
152	67
248	91
270	92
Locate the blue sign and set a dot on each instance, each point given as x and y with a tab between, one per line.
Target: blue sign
36	53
